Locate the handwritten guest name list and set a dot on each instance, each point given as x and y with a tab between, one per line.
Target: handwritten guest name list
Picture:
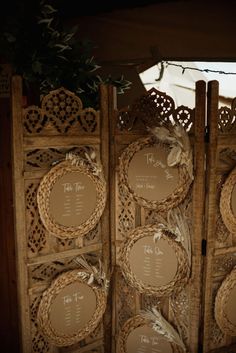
154	263
149	175
72	199
145	340
72	308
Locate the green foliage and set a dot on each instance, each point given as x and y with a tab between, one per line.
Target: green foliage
40	50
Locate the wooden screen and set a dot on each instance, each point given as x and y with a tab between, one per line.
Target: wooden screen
130	124
42	136
220	256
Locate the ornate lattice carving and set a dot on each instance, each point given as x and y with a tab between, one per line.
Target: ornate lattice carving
34	120
227	118
222	233
94	236
151	109
216	336
45	273
224	264
44	158
34	308
61	112
126	212
180	309
125	300
150	301
184	116
227	158
65	244
88	120
36	233
39	344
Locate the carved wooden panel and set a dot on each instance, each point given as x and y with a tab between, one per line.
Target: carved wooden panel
44	136
150	110
221	243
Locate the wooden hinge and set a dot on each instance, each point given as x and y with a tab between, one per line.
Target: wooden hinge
207	134
204	247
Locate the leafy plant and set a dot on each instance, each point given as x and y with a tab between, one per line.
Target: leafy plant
39	49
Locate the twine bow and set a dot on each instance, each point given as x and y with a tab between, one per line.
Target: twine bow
178	139
90	159
94	275
162	326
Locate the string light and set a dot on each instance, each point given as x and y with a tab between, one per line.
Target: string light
184	68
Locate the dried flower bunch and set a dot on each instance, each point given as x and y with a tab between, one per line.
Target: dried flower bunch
178	138
162	326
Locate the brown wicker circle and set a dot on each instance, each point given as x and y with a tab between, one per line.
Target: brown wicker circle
221	302
43	314
183	267
130	325
226	211
43	200
171	201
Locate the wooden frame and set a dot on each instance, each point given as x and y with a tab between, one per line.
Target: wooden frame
130	126
41	138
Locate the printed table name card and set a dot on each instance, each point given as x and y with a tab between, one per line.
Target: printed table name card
72	199
144	339
154	263
149	175
73	308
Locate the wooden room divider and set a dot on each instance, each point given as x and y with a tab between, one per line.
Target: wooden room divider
125	223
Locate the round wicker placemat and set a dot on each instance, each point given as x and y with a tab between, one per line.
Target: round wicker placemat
221	302
130	325
46	186
227	214
183	267
43	314
170	201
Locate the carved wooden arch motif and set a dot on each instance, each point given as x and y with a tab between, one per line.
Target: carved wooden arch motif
61	111
152	108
